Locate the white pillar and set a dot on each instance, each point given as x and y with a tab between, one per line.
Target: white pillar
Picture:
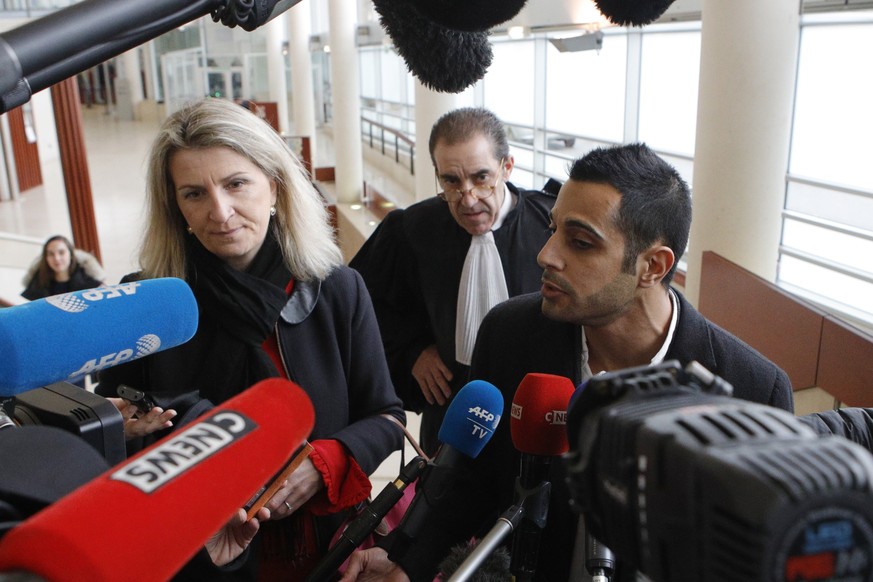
429	106
302	96
346	101
276	68
748	61
128	85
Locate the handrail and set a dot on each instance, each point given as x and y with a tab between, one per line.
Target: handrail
398	139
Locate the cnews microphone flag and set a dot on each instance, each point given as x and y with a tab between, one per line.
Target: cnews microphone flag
173	495
538	418
65	337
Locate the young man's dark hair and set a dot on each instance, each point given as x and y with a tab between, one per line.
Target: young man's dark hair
655	200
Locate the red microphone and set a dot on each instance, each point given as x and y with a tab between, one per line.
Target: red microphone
194	479
538	423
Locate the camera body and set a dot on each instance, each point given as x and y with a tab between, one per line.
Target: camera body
684	483
75	410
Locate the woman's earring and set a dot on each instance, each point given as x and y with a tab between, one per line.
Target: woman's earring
272	211
189	229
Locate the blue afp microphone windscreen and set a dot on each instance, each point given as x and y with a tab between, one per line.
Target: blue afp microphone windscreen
65	337
472	417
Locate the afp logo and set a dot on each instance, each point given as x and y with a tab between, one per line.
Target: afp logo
69	302
145	345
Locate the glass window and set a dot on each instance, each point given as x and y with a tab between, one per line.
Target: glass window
850	209
508	85
831	287
832	113
669	75
842	248
827	236
585	91
369	73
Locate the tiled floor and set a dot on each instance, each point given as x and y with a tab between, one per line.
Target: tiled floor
116	154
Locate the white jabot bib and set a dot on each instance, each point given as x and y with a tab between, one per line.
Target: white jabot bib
482	286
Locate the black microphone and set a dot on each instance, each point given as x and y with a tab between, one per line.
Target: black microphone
468	425
64	43
367	521
632	12
538	427
443	59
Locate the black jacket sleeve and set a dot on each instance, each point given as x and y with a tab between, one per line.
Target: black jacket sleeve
855	424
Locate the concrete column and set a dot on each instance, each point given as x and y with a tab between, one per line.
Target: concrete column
346	101
302	95
276	35
429	106
748	61
128	85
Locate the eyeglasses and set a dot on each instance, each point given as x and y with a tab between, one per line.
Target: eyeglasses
479	191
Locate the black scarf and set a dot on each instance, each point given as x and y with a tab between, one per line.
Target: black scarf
238	310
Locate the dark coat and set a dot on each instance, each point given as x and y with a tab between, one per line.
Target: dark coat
329	341
78	280
412	265
516	338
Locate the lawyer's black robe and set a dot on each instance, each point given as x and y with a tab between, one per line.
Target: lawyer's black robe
412	267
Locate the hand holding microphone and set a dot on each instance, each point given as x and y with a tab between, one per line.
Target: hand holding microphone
538	427
65	337
184	474
468	425
538	423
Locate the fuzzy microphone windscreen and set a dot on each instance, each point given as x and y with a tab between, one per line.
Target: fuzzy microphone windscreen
495	568
632	12
444	60
469	15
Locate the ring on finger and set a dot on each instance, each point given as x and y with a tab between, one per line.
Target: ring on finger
289	506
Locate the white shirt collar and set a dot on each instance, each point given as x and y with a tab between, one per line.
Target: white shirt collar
586	373
504	208
659	357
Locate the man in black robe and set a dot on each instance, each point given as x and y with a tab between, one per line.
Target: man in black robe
435	268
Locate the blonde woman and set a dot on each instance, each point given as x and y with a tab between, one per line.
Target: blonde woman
231	211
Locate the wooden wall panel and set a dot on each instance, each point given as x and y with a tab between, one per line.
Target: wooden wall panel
782	327
813	347
74	162
27	166
846	363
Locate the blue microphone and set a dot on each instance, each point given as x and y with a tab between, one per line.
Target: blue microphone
469	423
65	337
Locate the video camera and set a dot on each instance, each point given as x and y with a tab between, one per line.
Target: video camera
73	409
684	483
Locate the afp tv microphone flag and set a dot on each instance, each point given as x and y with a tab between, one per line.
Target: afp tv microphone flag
172	496
64	337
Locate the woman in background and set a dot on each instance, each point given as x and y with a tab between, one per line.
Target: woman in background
62	269
232	212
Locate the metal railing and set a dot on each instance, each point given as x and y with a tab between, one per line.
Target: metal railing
389	140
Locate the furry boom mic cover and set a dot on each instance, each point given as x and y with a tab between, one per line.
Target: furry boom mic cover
632	12
443	59
469	15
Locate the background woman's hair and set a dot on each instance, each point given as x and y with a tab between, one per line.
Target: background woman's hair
301	224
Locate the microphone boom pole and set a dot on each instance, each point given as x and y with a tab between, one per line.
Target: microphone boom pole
504	526
50	49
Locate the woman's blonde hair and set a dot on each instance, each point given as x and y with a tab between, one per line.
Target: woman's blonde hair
301	223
